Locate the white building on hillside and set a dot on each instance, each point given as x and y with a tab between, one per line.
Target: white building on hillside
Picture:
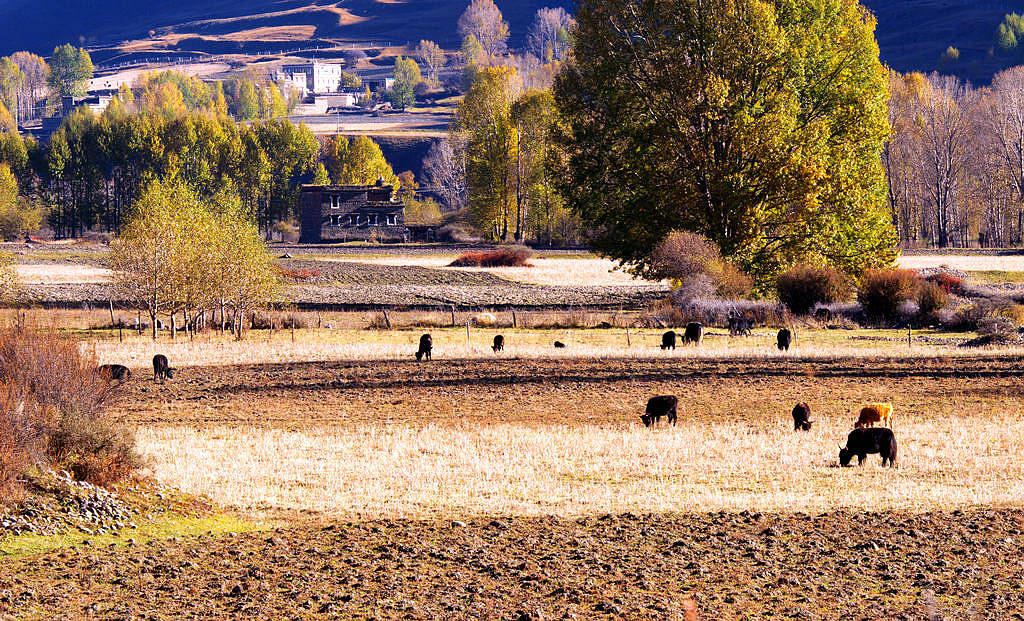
313	77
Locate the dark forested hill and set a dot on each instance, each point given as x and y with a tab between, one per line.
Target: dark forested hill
912	33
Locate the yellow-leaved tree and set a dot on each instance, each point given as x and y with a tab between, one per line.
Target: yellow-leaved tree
179	253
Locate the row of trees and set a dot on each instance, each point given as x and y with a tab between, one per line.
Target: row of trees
96	166
29	86
955	161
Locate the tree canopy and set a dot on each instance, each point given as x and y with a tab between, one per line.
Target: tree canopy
758	124
70	70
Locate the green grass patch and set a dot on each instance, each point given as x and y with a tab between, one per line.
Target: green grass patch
995	277
158	528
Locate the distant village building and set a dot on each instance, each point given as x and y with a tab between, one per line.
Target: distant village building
313	77
351	213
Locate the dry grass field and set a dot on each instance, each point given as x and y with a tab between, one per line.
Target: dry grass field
493	486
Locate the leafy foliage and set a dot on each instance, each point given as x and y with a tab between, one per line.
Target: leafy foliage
507	256
757	124
407	76
70	70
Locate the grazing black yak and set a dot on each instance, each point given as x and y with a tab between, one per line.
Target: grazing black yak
668	340
662	405
785	339
426	345
499	344
861	442
559	345
111	372
694	333
802	417
161	368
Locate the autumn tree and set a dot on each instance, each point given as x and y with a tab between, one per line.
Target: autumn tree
18	216
33	86
445	169
549	37
147	259
407	76
483	20
433	59
755	123
484	122
11	80
70	71
359	162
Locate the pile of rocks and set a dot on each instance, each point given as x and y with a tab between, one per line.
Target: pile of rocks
68	505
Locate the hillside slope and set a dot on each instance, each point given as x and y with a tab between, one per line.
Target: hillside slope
912	33
102	23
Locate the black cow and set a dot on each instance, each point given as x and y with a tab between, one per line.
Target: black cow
111	372
668	340
861	442
559	345
802	417
161	368
739	326
499	344
823	314
426	345
785	339
694	333
663	405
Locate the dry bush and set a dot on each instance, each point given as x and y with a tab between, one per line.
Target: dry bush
692	261
508	256
23	427
683	255
884	291
804	286
931	298
52	375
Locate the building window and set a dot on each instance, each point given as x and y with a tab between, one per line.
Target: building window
353	220
374	219
392	219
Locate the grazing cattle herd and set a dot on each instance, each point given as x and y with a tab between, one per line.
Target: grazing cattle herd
865	438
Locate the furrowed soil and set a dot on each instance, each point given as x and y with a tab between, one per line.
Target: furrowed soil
564	391
738	565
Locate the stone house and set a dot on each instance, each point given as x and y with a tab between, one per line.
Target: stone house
336	213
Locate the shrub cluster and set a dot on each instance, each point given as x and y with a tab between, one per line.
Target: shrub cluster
804	286
51	398
506	256
884	291
696	265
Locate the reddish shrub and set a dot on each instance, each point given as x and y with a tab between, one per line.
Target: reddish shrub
506	256
300	275
948	282
51	409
